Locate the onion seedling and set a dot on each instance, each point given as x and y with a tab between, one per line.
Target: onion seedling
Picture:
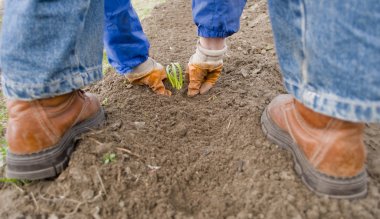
109	158
175	75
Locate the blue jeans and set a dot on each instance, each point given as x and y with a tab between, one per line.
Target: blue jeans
329	50
217	19
329	53
127	46
50	48
124	40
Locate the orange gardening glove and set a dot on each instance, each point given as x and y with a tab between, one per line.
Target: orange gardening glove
152	74
204	69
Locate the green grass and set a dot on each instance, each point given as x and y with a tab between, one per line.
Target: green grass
3	120
106	64
15	181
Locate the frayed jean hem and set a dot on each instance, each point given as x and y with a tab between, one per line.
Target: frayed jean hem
70	82
208	33
335	106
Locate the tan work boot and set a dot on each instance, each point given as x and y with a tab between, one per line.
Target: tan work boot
41	133
329	154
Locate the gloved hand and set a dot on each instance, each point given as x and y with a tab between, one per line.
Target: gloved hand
204	69
150	73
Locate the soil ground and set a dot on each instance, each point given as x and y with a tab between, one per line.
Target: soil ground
181	157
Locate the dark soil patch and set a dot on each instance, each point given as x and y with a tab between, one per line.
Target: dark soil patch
204	157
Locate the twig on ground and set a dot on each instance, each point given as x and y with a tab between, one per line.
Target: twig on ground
153	167
101	182
95	213
96	141
118	176
75	209
213	97
229	123
96	197
95	131
128	152
241	166
18	187
35	201
63	198
60	198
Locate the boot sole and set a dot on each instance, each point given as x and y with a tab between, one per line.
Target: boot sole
322	184
51	162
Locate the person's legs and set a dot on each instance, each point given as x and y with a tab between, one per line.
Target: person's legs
124	39
127	47
49	50
216	20
328	53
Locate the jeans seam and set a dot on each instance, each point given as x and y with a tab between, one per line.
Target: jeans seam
329	96
304	65
78	35
207	33
309	98
214	12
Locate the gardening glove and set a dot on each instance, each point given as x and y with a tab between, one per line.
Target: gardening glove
150	73
204	69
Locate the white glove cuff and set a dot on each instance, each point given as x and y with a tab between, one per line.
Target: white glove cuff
206	56
144	69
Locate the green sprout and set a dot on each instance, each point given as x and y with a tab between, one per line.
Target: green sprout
109	157
175	75
105	102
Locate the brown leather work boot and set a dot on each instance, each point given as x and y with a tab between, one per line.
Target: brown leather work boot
41	133
329	153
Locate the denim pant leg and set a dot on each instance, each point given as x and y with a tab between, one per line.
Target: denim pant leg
217	19
124	39
329	52
50	48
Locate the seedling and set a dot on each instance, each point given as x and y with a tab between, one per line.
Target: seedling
175	75
105	102
109	157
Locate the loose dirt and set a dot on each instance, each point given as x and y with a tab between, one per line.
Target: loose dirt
203	157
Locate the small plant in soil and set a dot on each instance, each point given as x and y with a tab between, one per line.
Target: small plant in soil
105	102
109	158
175	75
